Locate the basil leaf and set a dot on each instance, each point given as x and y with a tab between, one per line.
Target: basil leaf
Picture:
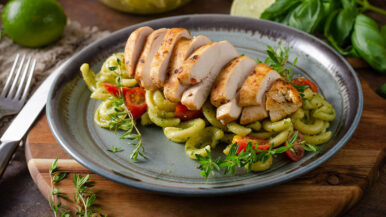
279	9
383	31
349	4
382	91
329	6
307	16
369	42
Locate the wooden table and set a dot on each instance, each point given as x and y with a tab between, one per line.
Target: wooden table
21	194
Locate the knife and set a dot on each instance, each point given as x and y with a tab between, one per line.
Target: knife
24	120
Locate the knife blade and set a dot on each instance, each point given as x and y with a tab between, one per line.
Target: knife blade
24	120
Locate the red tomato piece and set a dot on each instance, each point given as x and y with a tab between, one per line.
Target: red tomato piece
242	142
114	90
183	113
305	81
298	152
135	101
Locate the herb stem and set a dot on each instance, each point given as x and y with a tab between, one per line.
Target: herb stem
367	6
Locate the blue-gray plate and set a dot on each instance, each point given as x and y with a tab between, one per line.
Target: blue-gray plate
168	170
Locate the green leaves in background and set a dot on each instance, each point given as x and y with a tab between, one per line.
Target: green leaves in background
382	91
338	28
307	16
346	29
370	43
279	9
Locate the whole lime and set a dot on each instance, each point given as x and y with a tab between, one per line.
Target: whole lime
33	23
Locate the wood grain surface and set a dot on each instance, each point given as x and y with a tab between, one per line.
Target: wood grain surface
329	190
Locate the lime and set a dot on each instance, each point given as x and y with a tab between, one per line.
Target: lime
33	23
145	6
250	8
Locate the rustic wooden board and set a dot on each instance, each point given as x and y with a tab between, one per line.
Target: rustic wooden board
329	190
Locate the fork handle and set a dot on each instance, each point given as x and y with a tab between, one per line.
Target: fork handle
6	151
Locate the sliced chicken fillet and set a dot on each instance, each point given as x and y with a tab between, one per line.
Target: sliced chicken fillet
194	97
253	90
134	46
282	99
229	111
198	65
160	62
230	79
251	114
153	43
173	89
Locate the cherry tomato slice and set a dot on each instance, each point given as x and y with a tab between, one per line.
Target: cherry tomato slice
115	90
305	81
183	113
242	142
298	152
135	101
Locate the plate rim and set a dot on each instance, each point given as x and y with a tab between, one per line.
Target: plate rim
83	160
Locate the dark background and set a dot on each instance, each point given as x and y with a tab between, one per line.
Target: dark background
20	197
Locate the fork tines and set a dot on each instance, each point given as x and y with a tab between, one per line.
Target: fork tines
16	81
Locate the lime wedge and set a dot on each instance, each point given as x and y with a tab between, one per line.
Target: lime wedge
250	8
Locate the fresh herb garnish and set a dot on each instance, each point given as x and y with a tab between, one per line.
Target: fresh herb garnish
278	58
245	158
55	195
83	196
115	149
124	120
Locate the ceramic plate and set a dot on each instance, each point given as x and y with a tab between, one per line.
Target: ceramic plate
168	170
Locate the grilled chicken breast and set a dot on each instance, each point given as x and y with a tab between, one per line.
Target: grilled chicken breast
230	80
133	48
282	99
199	64
153	43
257	84
229	111
195	96
173	89
160	62
254	113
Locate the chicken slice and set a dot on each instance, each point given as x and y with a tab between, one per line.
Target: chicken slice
198	65
142	71
173	89
160	62
257	84
254	113
282	99
194	97
229	111
230	80
133	48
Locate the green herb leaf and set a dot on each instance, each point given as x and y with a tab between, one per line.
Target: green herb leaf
279	9
307	16
369	42
115	149
112	68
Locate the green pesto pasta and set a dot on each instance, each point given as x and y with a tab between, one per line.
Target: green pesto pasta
276	126
281	137
209	113
161	121
262	135
185	130
145	119
260	166
162	103
310	129
105	110
238	129
200	144
318	139
256	126
88	76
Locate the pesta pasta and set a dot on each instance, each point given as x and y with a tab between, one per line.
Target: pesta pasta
276	126
209	113
185	130
238	129
203	142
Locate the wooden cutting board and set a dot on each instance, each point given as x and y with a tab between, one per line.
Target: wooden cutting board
329	190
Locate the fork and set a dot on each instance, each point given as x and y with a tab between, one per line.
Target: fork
16	88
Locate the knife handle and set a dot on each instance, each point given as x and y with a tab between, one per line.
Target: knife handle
6	151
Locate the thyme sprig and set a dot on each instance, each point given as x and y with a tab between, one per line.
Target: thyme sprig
83	196
124	120
57	176
245	158
115	149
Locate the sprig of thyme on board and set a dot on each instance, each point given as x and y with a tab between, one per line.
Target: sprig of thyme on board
57	176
